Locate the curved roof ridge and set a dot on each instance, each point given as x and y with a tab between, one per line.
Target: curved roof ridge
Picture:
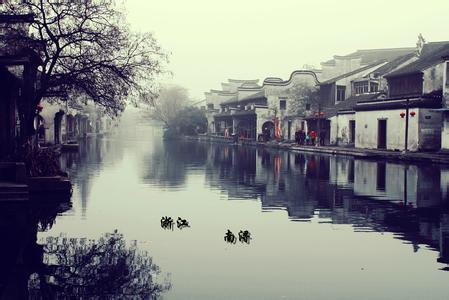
286	82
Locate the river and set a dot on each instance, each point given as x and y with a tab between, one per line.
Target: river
322	227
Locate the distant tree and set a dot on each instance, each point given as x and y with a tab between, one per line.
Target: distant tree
89	269
87	48
191	121
166	107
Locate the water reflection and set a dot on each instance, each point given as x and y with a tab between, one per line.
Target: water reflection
88	269
312	220
85	164
68	268
20	255
161	169
410	201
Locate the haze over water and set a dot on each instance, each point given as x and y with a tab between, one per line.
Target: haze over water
323	227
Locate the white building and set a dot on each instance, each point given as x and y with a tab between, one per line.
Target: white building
412	107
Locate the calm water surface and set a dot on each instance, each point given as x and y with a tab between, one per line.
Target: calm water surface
323	227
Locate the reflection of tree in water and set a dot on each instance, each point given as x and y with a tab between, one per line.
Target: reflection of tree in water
167	165
89	269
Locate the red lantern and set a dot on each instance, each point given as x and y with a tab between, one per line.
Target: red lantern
39	107
412	113
321	114
402	114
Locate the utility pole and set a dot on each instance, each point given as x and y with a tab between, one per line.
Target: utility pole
406	124
405	186
318	132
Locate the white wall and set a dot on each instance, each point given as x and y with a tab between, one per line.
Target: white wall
340	130
334	130
445	132
48	113
216	98
423	133
433	78
366	123
274	92
263	115
342	65
445	116
430	123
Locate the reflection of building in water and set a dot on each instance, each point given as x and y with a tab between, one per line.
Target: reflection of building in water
444	182
413	185
444	239
20	255
84	165
234	169
368	195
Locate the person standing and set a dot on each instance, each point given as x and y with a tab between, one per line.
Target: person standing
297	137
302	137
322	137
313	137
308	138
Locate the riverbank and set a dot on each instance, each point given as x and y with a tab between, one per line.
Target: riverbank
421	157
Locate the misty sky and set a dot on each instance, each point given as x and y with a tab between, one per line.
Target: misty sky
211	41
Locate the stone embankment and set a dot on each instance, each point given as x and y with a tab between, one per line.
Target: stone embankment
421	157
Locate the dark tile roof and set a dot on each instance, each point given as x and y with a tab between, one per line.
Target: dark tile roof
431	54
231	100
433	46
385	69
258	95
349	104
386	104
369	56
332	80
237	113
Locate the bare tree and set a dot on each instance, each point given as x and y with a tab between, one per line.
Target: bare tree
87	48
304	95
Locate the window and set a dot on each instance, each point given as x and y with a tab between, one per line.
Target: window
361	87
307	106
210	106
374	87
341	92
282	104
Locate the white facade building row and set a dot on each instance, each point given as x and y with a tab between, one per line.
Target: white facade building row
367	99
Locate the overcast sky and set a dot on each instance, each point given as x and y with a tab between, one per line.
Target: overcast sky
211	40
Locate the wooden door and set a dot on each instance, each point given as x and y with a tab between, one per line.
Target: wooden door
382	134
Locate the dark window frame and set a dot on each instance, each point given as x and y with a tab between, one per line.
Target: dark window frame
341	93
283	104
